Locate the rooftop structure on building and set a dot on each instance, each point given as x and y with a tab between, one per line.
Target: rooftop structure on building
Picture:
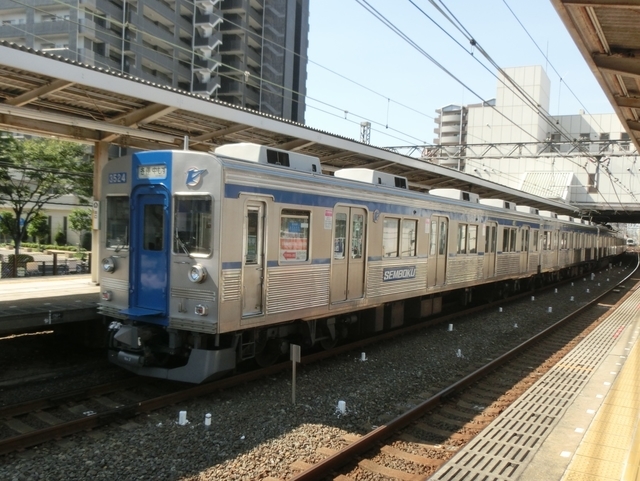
246	52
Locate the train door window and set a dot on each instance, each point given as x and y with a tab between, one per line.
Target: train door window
252	249
294	235
153	227
473	239
442	242
192	225
339	246
462	238
390	231
525	240
357	235
534	244
117	225
409	236
546	240
433	238
490	239
494	238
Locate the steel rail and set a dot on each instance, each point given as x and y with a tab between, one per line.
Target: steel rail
373	438
93	421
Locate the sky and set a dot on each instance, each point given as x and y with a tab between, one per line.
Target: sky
360	70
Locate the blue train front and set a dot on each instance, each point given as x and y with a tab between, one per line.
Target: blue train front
158	278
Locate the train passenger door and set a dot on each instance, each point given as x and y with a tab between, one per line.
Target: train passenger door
438	251
150	228
348	260
490	241
253	259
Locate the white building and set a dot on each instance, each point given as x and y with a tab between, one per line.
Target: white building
586	159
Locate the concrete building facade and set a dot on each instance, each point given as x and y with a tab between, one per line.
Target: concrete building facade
246	52
585	159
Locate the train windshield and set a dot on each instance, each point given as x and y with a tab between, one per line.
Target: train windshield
118	222
192	225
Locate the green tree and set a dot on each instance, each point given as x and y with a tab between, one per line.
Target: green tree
38	227
36	171
80	222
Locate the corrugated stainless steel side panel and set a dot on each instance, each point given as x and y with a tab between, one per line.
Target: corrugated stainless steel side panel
114	284
297	287
197	294
376	287
548	259
464	269
508	263
534	259
231	285
563	258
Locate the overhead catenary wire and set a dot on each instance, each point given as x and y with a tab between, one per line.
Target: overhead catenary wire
545	115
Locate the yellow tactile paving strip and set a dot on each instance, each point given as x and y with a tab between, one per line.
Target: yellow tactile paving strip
611	448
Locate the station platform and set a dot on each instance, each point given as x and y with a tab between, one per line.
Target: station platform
31	303
579	422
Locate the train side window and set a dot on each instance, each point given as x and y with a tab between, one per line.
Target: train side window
390	231
294	235
409	235
192	224
462	238
117	227
473	239
509	237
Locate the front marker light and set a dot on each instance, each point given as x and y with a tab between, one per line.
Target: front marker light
108	264
197	273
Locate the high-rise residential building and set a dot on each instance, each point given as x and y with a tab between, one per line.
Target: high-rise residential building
246	52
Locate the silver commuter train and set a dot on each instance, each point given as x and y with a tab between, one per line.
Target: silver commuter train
212	259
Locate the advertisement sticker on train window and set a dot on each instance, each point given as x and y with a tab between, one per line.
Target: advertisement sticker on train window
118	178
152	171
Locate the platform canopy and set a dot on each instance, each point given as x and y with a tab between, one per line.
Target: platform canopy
607	33
44	94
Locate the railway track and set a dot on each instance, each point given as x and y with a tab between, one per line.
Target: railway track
415	444
32	423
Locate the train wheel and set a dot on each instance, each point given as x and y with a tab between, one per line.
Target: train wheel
269	354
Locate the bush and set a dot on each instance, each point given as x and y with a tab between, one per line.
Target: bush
22	259
60	238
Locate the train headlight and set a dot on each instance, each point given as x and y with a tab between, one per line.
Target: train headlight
108	264
197	273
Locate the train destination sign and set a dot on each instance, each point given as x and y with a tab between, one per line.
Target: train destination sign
152	171
398	273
